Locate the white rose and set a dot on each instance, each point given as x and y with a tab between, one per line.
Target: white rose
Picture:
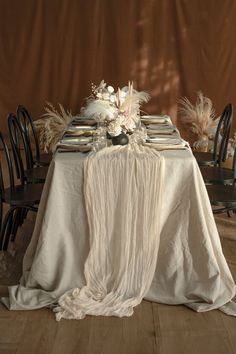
129	124
110	89
114	128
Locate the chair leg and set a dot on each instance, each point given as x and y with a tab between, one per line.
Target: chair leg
15	224
1	212
7	223
8	227
5	231
22	213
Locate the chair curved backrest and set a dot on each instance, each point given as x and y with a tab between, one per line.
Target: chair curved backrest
30	135
222	132
8	162
5	161
17	140
234	163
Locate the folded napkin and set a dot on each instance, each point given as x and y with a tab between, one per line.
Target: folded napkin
84	122
160	147
166	126
70	133
158	119
80	118
161	131
153	120
73	148
80	130
173	135
164	140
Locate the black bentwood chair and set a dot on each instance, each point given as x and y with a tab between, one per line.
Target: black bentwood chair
222	195
222	198
19	142
219	175
20	198
30	134
220	146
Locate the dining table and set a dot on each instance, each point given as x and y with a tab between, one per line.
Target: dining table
132	222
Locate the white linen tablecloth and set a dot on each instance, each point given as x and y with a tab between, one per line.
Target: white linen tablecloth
190	267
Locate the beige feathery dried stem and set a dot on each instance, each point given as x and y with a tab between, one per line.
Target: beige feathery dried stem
200	117
52	126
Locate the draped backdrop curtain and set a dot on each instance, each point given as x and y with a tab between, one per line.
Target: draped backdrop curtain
53	51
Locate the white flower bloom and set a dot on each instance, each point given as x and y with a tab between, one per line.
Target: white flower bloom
114	128
99	95
129	124
123	94
113	98
122	99
117	110
106	96
110	89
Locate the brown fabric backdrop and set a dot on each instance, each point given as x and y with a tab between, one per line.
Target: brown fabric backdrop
52	50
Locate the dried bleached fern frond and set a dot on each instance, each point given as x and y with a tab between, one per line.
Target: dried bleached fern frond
52	126
200	117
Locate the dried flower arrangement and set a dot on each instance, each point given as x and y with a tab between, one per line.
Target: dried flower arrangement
118	111
201	119
52	126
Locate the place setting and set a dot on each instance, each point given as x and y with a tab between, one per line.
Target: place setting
78	137
155	119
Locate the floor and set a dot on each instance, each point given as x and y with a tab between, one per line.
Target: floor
153	328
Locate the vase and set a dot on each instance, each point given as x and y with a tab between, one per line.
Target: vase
121	139
201	145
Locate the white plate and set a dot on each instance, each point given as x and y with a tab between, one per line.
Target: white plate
77	141
158	140
166	136
155	116
160	127
78	118
154	120
80	127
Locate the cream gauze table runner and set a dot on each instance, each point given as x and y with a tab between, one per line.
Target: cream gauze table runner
190	267
122	189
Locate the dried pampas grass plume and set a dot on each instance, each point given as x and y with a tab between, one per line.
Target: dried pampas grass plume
51	127
200	117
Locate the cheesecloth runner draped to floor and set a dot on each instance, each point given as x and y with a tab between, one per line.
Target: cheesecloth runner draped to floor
122	188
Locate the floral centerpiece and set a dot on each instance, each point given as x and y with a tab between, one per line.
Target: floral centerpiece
118	112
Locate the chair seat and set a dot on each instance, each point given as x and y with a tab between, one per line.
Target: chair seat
217	175
36	175
45	159
204	158
28	194
222	195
